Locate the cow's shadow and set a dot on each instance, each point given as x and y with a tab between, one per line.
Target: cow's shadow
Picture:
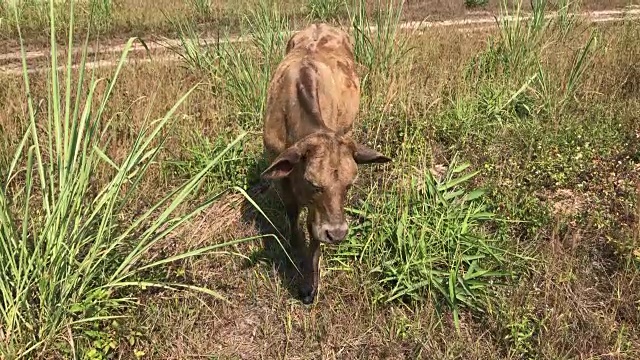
267	216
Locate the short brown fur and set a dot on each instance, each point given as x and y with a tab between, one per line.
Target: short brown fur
312	103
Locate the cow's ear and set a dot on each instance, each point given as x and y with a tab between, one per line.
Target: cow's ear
283	165
347	44
366	155
291	44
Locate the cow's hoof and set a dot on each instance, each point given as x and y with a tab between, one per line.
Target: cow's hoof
307	294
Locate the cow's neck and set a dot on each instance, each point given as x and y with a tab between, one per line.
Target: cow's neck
306	129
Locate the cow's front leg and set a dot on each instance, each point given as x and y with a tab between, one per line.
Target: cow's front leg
296	238
311	274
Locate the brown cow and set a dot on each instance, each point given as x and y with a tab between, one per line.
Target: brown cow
312	102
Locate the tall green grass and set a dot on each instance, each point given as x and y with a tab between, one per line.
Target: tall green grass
516	50
378	45
101	13
513	61
566	20
69	246
33	15
240	71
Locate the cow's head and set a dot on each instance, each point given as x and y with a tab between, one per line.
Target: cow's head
326	38
320	169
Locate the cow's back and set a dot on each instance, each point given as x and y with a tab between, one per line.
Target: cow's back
319	60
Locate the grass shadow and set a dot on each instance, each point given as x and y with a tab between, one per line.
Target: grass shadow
273	253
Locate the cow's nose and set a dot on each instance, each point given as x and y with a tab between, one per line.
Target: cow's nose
337	234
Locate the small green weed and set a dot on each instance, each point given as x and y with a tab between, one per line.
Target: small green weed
475	3
522	327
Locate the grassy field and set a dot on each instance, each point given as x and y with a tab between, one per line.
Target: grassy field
123	18
507	227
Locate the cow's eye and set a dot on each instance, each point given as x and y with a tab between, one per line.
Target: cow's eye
316	189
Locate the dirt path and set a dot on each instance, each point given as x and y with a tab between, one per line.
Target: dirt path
159	49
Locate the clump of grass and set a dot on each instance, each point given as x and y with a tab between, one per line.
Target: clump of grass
427	239
516	49
241	71
377	44
581	60
202	9
557	91
566	20
101	13
33	15
475	3
325	10
515	58
68	245
237	168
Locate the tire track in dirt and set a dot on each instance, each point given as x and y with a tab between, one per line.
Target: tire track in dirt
159	50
